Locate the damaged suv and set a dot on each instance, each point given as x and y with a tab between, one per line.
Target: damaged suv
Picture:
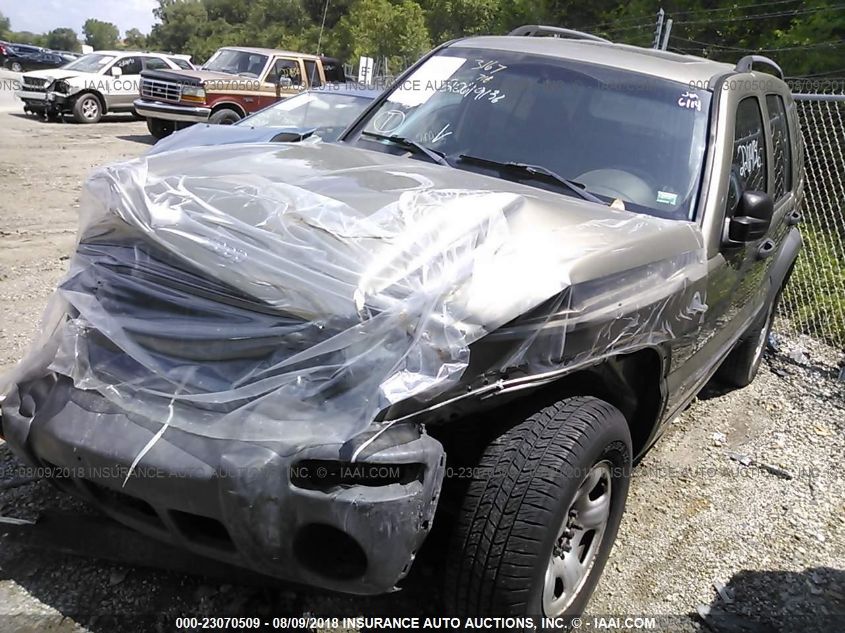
478	309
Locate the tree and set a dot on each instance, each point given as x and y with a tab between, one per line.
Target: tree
379	29
100	35
5	26
181	26
135	40
63	39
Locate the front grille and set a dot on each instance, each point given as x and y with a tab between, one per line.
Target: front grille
33	83
160	90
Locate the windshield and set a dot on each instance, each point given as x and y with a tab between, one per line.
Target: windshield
618	134
329	113
91	63
237	63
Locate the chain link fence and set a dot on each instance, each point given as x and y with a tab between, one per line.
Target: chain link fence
814	301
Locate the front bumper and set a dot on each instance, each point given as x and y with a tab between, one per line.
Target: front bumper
171	111
236	501
33	99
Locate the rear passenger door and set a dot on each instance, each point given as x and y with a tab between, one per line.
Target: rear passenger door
783	164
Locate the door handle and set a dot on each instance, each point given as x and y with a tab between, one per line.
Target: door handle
793	218
766	249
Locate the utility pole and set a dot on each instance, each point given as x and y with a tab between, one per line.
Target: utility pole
666	34
658	29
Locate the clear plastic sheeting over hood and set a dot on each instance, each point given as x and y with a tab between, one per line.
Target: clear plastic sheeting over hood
249	292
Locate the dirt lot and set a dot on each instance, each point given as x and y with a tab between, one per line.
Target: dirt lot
695	515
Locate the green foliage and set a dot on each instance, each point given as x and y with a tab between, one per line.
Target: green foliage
27	37
806	38
5	27
814	297
100	35
63	39
135	40
381	29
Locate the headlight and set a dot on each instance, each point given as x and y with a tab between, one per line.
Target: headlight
193	93
62	87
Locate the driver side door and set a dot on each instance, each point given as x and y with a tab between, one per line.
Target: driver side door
736	282
284	79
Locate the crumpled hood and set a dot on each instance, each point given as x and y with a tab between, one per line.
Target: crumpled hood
351	280
365	194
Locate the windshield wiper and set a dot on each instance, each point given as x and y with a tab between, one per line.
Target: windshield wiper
410	144
535	170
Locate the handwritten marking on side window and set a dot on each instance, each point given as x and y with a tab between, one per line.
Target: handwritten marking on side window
749	158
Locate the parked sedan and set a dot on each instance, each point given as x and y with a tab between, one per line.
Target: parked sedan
40	60
323	112
15	55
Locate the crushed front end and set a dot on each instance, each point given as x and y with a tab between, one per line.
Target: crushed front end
231	362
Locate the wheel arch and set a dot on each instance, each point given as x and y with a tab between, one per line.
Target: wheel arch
96	93
633	382
229	105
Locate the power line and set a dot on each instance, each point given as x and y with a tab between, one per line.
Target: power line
693	12
764	16
830	44
735	8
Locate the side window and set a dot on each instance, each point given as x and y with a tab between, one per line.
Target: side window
781	148
285	68
748	164
129	65
313	73
155	63
184	64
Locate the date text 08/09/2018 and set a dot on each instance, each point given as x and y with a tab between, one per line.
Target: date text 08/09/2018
310	623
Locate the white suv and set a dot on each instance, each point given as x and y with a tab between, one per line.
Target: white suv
93	85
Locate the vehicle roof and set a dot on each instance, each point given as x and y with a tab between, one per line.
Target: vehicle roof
123	53
270	51
672	66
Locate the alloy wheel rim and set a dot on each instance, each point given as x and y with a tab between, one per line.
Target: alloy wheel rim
90	109
578	540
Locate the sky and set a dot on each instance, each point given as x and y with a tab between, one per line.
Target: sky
40	16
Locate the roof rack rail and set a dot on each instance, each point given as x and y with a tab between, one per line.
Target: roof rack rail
536	30
746	64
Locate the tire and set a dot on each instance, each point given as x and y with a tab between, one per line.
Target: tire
516	514
87	109
16	67
224	116
740	368
159	128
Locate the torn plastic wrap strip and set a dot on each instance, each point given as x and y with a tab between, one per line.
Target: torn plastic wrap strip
237	305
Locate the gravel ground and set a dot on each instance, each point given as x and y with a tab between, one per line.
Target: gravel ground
770	533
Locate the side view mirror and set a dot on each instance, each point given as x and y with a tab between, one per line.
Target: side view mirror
116	72
281	84
753	217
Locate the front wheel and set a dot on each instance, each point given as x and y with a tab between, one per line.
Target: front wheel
159	128
87	109
224	117
540	517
